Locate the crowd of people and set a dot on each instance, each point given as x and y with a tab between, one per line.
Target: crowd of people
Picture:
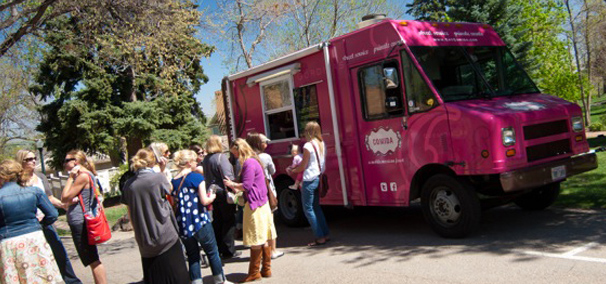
174	217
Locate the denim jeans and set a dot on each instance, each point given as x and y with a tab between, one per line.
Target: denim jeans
65	266
204	238
310	198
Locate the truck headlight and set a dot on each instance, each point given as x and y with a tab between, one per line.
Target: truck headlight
509	136
577	123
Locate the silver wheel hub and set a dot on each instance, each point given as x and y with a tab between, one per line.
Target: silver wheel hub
446	206
288	204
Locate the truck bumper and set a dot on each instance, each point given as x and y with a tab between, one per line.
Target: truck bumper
551	172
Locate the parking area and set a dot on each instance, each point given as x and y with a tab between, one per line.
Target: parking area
387	245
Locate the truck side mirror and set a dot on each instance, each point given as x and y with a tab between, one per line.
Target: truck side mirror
391	78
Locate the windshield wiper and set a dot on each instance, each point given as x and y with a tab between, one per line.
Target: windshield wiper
479	73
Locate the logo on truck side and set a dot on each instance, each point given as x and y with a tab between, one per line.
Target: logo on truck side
383	141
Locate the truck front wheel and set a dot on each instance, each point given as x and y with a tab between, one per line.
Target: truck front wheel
539	198
290	207
451	206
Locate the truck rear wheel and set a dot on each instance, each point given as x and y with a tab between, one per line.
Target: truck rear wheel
539	198
450	206
290	207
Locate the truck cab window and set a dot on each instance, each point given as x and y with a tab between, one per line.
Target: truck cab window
279	108
419	96
381	91
473	72
306	102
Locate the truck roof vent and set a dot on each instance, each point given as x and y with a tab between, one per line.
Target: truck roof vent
371	19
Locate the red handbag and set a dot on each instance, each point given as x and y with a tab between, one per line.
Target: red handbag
96	222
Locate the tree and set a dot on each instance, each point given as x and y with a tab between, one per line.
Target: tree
542	25
242	26
107	81
503	17
17	106
429	10
581	81
292	24
313	21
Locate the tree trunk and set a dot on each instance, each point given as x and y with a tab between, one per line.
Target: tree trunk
133	144
587	63
578	62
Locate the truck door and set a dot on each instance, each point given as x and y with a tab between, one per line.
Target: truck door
382	121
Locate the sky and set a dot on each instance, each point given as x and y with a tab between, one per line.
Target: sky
215	70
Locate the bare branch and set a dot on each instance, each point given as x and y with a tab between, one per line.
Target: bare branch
24	29
10	4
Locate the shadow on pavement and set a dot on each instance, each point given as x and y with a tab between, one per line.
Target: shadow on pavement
400	234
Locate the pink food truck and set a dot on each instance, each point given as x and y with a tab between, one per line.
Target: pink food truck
408	110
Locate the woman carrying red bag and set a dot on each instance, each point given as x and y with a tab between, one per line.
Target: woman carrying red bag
77	186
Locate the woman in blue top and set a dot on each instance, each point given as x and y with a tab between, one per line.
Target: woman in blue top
194	222
25	256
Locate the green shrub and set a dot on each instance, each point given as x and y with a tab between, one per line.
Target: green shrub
114	180
596	126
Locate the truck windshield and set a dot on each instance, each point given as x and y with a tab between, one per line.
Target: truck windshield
471	72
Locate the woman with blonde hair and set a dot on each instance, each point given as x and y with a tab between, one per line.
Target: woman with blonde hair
81	175
27	159
162	154
21	232
312	166
154	223
195	226
216	168
258	220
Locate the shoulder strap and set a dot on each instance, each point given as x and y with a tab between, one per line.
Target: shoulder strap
92	188
181	184
220	167
317	157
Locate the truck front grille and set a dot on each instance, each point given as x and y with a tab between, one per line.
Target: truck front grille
545	129
548	150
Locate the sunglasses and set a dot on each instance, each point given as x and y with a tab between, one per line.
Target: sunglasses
68	160
27	160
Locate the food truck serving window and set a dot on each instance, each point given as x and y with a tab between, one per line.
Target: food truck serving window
278	105
306	102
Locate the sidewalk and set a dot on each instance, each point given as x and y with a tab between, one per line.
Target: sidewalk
122	261
594	134
120	256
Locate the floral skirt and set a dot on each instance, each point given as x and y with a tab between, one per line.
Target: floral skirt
28	259
258	225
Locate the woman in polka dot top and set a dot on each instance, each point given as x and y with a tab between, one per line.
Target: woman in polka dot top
194	222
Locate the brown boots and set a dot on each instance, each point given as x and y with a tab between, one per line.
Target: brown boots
266	270
255	263
253	266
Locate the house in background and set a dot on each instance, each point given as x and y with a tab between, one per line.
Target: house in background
217	124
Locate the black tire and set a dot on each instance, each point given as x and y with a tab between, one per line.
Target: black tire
539	198
450	206
290	207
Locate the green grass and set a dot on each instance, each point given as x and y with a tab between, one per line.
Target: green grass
587	190
114	213
597	111
598	108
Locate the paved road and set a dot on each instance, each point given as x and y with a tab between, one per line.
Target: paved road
387	245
